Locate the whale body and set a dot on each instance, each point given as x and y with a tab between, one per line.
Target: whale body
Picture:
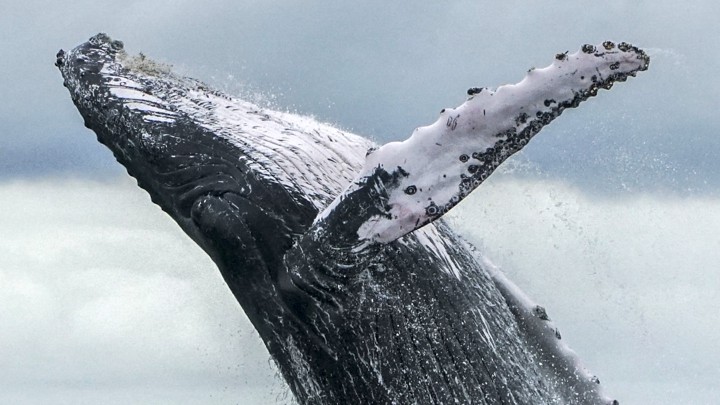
335	247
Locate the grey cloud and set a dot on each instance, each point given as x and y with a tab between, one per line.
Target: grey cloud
83	263
382	68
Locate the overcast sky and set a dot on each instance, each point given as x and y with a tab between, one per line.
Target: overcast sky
609	217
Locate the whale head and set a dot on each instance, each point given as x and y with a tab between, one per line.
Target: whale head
205	157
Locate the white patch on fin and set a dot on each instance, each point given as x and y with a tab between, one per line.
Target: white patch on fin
415	182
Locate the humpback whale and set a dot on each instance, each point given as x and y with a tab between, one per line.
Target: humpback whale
335	247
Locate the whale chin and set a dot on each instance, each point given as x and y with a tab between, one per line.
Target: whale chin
335	247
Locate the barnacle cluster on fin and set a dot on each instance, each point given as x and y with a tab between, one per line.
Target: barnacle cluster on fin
406	185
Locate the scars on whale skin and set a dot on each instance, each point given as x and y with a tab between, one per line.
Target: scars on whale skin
335	247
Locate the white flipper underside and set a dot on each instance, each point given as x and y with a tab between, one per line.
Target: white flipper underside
442	163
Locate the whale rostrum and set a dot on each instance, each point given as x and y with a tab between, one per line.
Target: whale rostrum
335	247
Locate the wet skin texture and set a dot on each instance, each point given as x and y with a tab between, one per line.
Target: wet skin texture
408	321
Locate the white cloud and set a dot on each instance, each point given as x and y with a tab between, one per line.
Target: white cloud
103	297
76	256
632	282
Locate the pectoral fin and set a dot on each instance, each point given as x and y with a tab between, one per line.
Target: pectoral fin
405	185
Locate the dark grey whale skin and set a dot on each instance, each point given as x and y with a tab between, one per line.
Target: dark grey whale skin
388	325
